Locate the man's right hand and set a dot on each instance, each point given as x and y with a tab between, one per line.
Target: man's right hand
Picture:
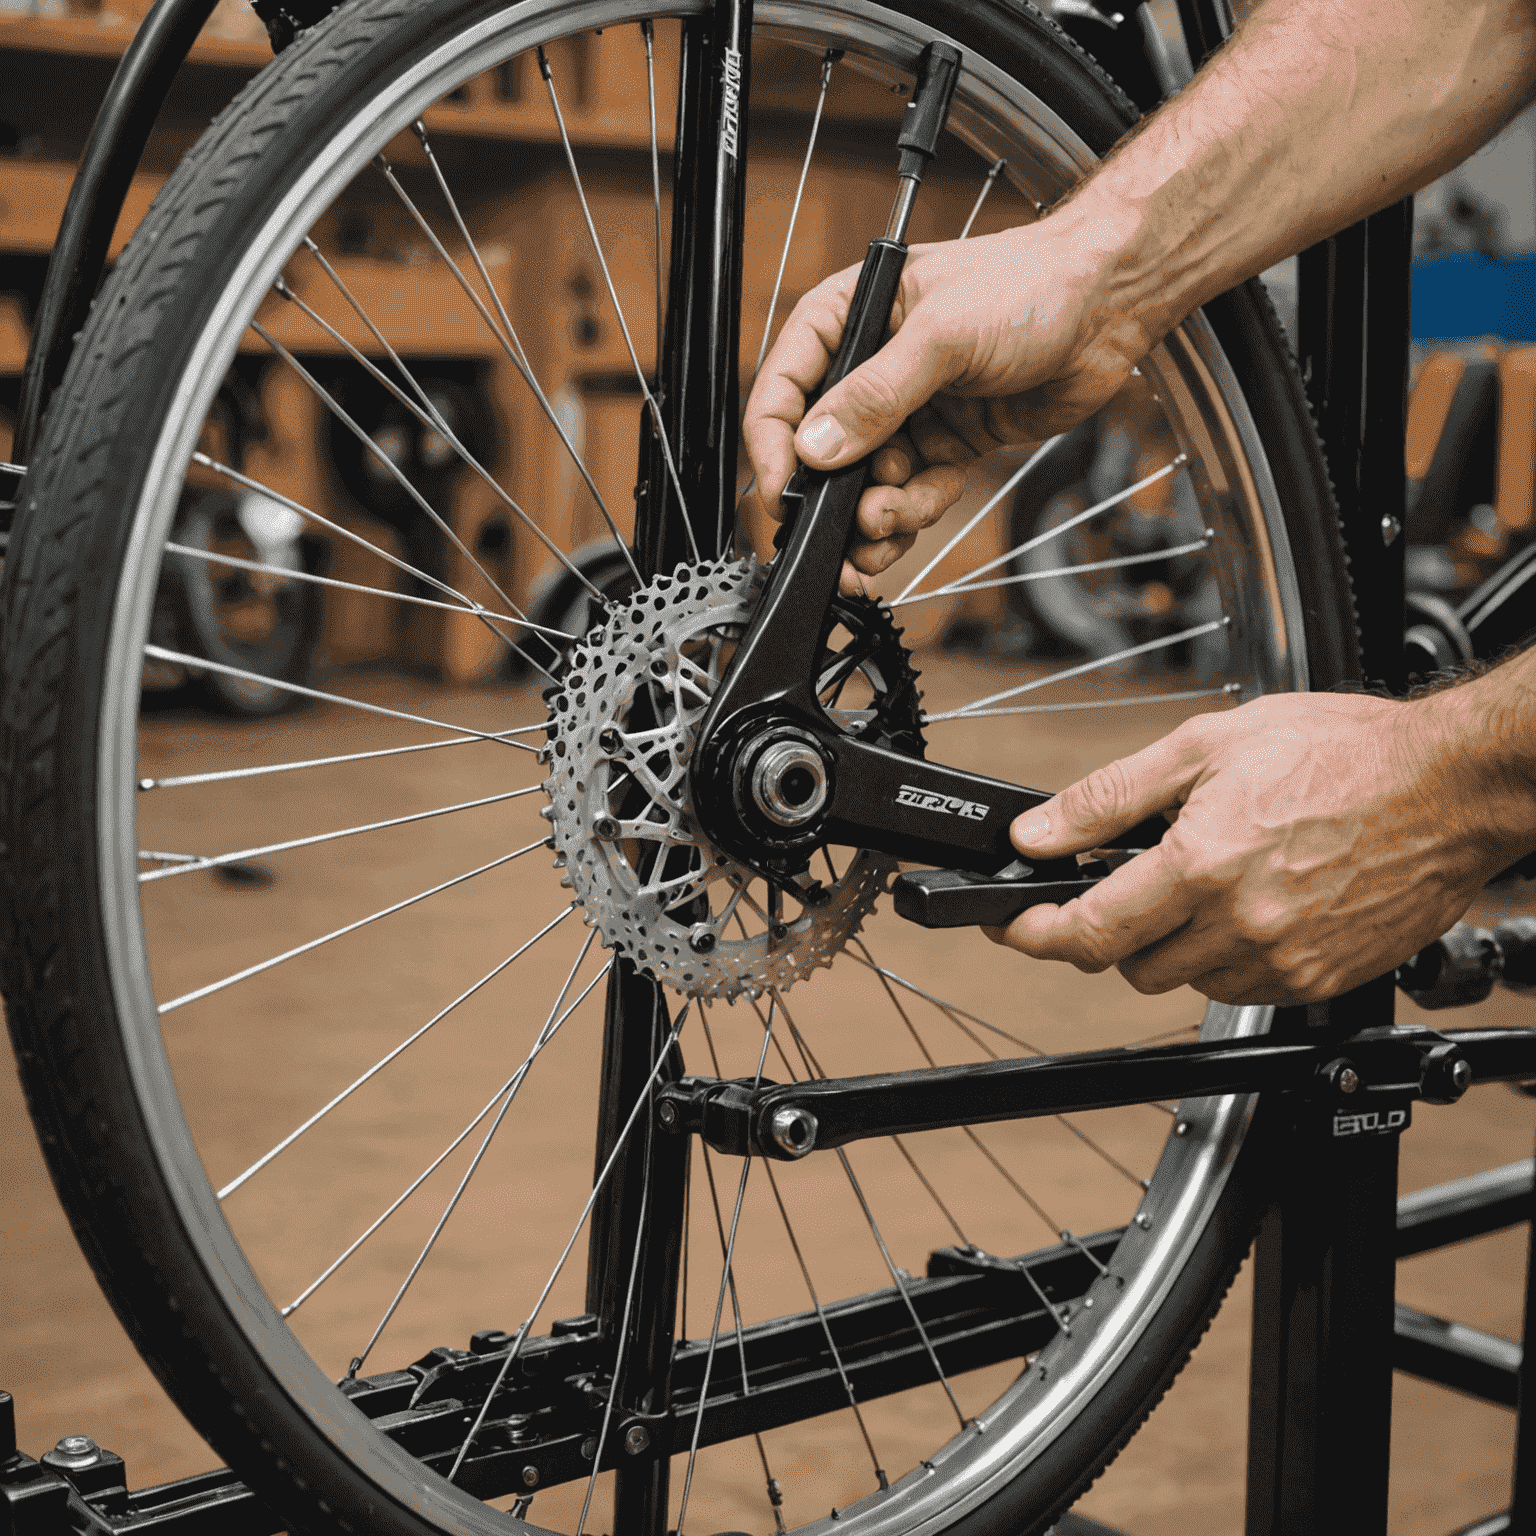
997	340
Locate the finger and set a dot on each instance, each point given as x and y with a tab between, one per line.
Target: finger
1194	951
795	364
1141	902
1115	797
886	510
896	462
857	415
874	558
852	584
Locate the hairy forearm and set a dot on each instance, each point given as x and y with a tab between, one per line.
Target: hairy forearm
1316	113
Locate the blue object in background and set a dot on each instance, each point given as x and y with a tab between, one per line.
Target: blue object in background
1462	294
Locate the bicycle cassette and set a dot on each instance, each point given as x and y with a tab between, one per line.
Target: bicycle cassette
622	725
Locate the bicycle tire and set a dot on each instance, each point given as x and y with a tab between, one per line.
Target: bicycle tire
127	1174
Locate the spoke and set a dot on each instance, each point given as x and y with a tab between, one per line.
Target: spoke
431	1168
933	1194
211	557
1166	1034
832	56
517	1081
874	1227
378	1066
1036	540
214	861
978	708
1116	563
508	342
1035	458
641	1099
998	167
725	1274
202	663
949	1010
613	294
1074	704
648	32
826	1328
403	481
169	858
428	414
219	776
470	605
337	933
506	320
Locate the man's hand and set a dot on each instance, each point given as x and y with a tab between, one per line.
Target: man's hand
1318	840
997	340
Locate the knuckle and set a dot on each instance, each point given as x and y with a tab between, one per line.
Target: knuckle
1102	794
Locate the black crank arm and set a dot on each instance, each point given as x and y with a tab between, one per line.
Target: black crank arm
950	898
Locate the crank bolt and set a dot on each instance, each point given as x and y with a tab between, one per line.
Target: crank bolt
794	1130
606	828
702	939
637	1439
610	741
530	1477
666	1112
1461	1074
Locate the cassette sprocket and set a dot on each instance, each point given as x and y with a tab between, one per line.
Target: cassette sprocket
621	728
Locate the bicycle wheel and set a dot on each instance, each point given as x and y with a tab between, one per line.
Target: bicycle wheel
266	1109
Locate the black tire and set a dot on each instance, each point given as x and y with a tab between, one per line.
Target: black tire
131	1181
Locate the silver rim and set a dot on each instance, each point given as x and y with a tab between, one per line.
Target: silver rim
1260	602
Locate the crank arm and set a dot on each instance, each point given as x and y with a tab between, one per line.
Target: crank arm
951	898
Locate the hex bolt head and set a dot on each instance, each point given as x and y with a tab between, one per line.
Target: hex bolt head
610	741
1461	1074
636	1439
702	939
1349	1080
530	1477
794	1130
1181	1128
666	1112
74	1453
606	827
1143	1220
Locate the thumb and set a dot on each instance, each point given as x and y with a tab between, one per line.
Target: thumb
855	416
1110	800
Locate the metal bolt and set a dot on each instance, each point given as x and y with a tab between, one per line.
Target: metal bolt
530	1477
1461	1075
659	667
637	1439
74	1452
1390	528
701	940
1181	1128
666	1112
1349	1080
606	827
610	741
1143	1220
778	932
589	1448
794	1130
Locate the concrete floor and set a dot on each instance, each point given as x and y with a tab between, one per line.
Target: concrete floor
72	1370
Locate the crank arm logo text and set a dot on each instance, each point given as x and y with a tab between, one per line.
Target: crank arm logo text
948	805
730	110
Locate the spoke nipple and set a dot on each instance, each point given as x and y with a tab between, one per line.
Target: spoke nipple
549	842
150	784
530	1477
543	64
607	828
547	812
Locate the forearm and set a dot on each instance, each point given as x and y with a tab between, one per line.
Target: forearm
1316	113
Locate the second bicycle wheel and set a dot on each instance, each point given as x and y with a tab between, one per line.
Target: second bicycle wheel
329	1139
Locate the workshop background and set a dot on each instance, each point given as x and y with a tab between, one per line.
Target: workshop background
1472	468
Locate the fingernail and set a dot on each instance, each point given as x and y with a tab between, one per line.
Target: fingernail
884	524
824	437
1029	830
